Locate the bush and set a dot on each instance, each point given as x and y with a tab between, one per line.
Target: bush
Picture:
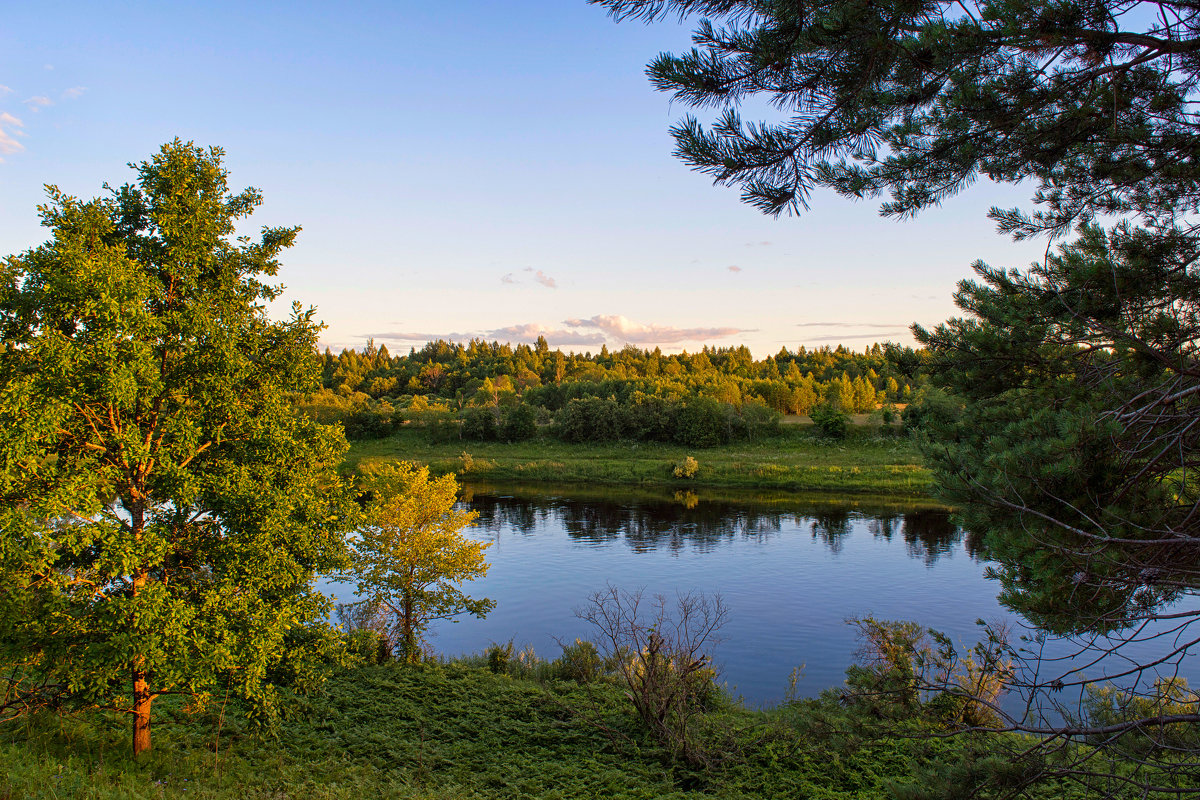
368	647
580	662
498	656
658	649
687	468
930	406
480	423
757	420
649	419
703	422
376	420
589	419
830	420
518	423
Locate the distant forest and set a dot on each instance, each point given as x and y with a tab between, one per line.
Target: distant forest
484	390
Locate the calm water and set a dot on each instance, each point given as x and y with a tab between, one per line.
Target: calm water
790	572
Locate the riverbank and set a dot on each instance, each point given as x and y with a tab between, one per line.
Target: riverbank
454	731
797	460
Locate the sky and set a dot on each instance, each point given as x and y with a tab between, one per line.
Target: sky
467	169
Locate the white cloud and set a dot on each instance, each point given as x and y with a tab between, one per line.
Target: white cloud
4	90
542	278
526	332
9	129
530	331
38	102
861	325
507	278
734	268
74	92
878	335
626	330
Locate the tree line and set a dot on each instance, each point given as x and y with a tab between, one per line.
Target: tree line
494	391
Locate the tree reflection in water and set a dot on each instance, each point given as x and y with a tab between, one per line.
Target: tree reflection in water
690	520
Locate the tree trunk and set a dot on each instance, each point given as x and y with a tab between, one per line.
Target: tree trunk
141	687
141	712
410	639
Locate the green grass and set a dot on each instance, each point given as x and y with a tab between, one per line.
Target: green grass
794	461
441	731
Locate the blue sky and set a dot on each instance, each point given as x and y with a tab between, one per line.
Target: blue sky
466	169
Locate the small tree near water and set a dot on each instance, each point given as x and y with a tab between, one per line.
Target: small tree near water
660	649
410	556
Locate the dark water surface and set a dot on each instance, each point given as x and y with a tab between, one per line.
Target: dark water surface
791	572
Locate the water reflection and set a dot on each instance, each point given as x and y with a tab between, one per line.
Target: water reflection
689	520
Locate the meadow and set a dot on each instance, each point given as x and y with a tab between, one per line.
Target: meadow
868	460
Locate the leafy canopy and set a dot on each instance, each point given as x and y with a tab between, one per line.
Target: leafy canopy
164	509
410	557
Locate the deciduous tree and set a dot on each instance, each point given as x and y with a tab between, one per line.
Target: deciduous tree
164	507
410	557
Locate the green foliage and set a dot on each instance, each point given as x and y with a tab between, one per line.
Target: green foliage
589	419
931	409
409	556
434	732
499	656
480	423
581	662
831	420
518	423
702	422
164	507
374	421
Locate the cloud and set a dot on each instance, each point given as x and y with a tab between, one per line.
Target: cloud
628	331
880	334
863	325
597	330
527	332
758	244
734	268
507	278
38	102
48	66
74	92
530	331
542	278
9	129
4	90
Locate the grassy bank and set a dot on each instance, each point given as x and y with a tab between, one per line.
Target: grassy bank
456	731
794	461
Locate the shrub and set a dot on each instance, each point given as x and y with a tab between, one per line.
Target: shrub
376	420
658	649
930	406
589	419
830	420
518	423
480	423
702	422
757	420
580	662
498	657
687	468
